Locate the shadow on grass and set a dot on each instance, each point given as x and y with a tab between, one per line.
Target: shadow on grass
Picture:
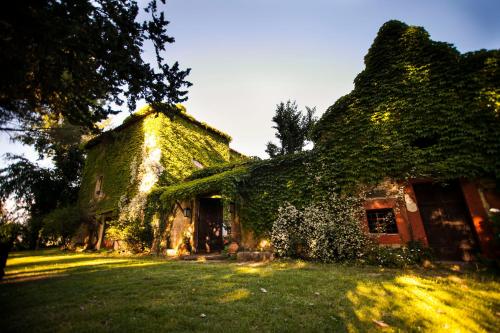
142	294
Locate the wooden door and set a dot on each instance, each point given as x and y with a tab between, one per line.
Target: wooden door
446	219
210	226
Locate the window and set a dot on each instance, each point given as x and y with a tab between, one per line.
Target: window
98	186
382	221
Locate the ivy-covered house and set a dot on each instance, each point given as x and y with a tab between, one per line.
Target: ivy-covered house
125	164
418	138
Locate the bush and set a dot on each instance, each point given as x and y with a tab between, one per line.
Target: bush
286	234
60	225
413	253
136	234
333	231
328	231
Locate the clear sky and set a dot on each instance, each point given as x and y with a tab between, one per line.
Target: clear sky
248	55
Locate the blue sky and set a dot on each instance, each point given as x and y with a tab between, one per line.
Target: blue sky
248	55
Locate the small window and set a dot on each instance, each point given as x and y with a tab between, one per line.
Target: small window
382	221
197	164
98	186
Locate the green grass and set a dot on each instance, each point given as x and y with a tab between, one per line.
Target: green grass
69	292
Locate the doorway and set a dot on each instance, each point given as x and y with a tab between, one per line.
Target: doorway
446	220
209	226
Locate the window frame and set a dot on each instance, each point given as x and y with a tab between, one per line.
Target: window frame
393	230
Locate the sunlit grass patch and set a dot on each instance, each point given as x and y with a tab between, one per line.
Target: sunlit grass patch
53	291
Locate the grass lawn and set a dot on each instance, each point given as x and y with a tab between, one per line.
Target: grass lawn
75	292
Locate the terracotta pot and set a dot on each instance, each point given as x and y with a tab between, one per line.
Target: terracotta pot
233	248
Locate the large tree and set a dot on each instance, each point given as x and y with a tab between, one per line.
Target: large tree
78	60
66	65
292	128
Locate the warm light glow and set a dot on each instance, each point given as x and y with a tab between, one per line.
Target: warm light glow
264	244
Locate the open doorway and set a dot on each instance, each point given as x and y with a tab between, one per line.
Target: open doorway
209	226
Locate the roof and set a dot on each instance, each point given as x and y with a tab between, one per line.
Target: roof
178	111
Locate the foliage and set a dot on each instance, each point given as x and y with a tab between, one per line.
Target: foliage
413	253
210	171
327	230
224	183
418	109
287	232
147	150
60	224
77	59
293	128
260	187
136	235
332	229
38	189
9	231
271	183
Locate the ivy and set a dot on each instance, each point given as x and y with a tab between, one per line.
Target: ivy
419	109
148	149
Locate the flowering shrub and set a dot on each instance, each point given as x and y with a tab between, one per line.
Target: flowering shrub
328	230
286	235
332	229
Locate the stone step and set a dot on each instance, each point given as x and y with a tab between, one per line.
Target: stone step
254	256
203	257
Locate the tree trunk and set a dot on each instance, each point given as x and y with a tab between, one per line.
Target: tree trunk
4	252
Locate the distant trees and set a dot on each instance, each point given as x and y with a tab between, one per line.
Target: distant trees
292	128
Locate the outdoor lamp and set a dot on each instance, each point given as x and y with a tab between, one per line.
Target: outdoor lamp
231	207
187	212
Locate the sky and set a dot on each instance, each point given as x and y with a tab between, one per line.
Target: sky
248	55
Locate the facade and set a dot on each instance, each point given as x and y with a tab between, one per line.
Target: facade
420	111
151	151
123	166
452	218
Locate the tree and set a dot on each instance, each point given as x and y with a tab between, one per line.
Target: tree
39	190
9	230
293	128
78	60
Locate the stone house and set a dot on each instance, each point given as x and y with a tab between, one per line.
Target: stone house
419	111
150	149
152	152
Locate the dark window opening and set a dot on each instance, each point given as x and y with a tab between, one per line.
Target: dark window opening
382	221
425	142
98	186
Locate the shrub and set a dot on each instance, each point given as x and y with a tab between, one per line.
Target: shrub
136	234
60	225
332	229
328	231
286	234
